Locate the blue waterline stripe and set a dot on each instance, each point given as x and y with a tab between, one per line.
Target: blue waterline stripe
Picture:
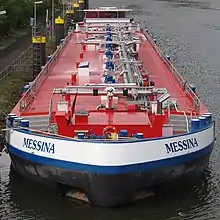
111	169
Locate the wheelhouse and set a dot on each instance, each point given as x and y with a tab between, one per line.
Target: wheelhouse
107	13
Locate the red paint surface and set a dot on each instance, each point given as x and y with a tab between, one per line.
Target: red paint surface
63	71
161	74
149	131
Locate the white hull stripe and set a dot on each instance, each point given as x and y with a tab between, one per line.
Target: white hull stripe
111	155
174	161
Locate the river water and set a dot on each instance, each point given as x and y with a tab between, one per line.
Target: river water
189	31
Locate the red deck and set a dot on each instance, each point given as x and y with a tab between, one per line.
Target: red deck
161	75
66	65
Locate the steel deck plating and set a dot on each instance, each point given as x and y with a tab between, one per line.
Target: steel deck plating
65	65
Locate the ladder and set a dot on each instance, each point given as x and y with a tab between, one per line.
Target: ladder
36	55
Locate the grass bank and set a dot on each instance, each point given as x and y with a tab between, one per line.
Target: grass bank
10	93
11	89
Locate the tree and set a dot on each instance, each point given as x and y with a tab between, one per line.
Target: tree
19	13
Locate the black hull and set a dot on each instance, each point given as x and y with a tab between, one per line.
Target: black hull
107	190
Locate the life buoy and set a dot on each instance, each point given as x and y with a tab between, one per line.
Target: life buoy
108	130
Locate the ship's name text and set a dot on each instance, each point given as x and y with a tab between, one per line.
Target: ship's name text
39	145
181	145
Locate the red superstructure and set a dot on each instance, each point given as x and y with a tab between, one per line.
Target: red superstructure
91	112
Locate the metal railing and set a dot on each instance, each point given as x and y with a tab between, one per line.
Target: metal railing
30	94
184	85
16	65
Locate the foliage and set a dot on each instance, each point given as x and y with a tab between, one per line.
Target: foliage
50	45
19	13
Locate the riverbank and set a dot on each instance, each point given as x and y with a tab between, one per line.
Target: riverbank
11	89
10	92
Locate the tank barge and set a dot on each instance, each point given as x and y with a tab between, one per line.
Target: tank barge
109	115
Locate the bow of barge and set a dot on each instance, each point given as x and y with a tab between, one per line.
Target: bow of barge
109	115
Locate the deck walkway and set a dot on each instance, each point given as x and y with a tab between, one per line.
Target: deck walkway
66	65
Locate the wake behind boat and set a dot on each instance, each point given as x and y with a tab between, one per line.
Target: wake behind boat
109	115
